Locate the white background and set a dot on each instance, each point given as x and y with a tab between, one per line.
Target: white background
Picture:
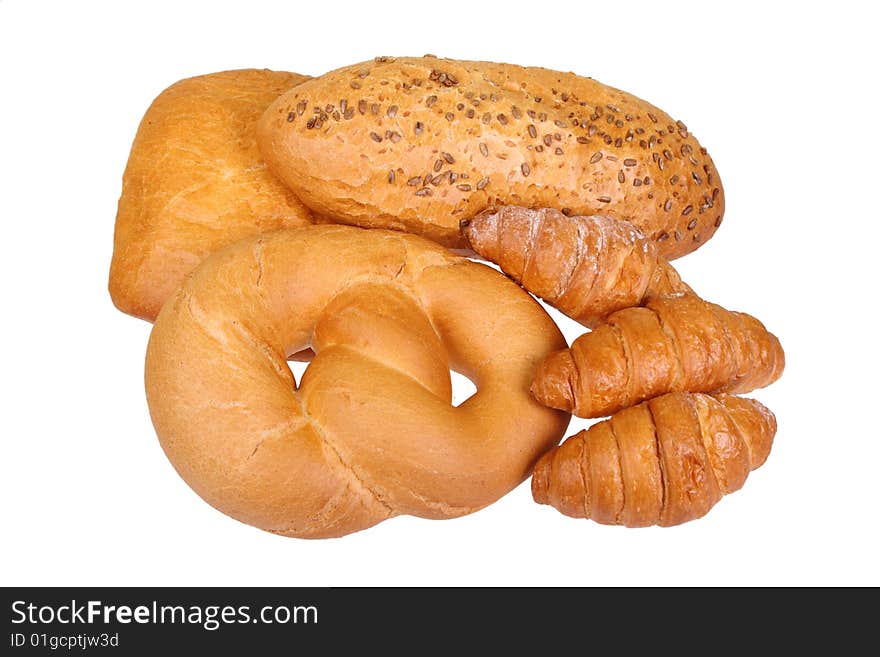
781	94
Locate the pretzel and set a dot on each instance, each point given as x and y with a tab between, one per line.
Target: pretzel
370	433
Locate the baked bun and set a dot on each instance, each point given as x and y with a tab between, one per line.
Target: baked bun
195	182
370	432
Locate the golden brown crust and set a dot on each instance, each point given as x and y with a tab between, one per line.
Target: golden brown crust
419	144
672	344
195	182
663	462
587	267
371	432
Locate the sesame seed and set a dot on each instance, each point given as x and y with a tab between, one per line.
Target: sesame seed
482	184
414	181
464	187
652	117
374	109
391	176
486	118
362	106
291	116
604	199
596	157
629	162
678	236
502	119
355	84
717	221
673	179
376	138
452	177
621	177
692	224
686	149
484	150
424	191
559	151
349	114
516	112
647	180
426	180
583	140
419	127
668	205
696	178
525	169
438	164
548	140
667	154
394	137
470	113
687	211
449	159
430	101
450	116
392	111
532	131
637	182
662	237
436	180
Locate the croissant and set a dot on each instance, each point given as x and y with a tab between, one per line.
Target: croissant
672	344
587	267
663	462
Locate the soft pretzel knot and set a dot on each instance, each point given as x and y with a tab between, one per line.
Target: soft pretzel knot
371	432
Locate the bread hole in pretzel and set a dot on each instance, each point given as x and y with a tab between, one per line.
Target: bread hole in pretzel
462	388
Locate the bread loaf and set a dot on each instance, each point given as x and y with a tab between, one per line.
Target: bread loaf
194	182
370	433
420	144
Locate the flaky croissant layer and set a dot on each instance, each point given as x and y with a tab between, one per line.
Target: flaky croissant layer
587	267
672	344
663	462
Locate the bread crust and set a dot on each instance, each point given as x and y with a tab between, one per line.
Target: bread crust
370	433
419	144
662	462
195	182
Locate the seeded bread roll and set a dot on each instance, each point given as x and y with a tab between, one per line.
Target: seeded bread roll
419	144
195	182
